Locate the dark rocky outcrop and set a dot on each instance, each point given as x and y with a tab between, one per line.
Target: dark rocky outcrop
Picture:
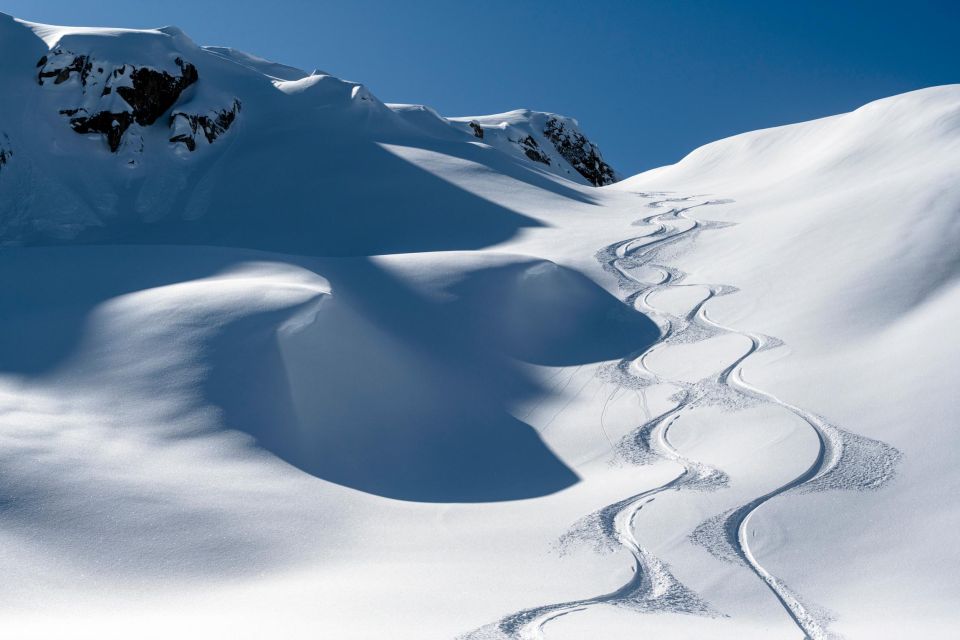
477	129
153	92
212	126
532	150
149	93
582	154
111	125
80	65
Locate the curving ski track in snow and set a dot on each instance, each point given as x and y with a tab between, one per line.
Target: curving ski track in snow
844	460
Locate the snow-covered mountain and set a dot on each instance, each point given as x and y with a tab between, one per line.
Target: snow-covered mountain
278	359
111	129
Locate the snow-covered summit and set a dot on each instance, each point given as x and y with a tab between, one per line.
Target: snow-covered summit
105	130
548	138
556	142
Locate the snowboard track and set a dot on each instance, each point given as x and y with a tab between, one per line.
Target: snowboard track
844	460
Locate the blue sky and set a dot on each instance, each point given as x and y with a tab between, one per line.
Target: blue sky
649	81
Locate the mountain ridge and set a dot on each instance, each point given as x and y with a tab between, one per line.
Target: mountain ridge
120	107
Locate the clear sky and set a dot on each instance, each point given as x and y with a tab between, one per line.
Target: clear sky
648	80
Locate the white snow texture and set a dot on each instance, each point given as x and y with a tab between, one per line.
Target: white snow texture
280	360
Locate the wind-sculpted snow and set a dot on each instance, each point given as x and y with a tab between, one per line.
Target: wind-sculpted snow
372	372
587	324
463	379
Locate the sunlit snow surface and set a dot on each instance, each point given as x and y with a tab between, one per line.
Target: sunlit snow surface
351	371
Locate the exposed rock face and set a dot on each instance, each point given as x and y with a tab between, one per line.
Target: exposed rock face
153	92
146	93
553	141
187	127
111	125
61	71
583	155
532	150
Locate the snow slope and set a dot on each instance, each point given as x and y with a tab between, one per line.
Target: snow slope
347	369
845	248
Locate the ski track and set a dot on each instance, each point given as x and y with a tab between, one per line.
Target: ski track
844	460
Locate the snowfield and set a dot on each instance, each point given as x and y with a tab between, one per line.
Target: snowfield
280	360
